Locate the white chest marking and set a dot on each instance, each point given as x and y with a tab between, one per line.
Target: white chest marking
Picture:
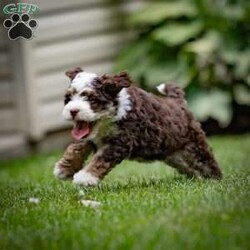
124	105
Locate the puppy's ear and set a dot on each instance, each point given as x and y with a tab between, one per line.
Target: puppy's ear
112	85
123	79
72	73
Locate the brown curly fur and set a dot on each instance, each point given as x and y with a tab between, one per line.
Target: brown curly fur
157	128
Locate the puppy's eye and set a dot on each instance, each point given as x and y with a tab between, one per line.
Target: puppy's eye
91	98
83	94
67	99
88	96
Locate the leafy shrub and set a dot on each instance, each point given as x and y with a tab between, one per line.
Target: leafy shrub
202	45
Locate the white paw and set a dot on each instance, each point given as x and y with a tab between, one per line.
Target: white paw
59	172
85	178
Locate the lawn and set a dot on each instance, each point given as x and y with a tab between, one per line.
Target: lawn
144	206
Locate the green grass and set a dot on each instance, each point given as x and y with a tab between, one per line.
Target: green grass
144	206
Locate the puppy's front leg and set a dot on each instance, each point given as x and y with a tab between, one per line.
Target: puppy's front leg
72	160
103	161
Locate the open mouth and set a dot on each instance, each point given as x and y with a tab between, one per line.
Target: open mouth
81	129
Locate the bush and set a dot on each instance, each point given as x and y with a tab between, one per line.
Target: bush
202	45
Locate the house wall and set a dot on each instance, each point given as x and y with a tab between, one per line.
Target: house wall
85	33
8	105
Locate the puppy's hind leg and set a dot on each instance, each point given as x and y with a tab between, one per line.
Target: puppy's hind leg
201	158
178	161
195	161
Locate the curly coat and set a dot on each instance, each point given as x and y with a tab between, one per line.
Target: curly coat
156	128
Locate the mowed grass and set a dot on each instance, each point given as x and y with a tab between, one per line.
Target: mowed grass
144	206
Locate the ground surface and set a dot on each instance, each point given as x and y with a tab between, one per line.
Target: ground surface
143	206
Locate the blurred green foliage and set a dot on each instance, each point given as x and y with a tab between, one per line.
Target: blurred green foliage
202	45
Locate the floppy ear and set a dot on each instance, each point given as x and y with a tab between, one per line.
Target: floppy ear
123	79
112	85
72	73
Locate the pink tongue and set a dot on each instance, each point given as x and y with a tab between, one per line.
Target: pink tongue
80	130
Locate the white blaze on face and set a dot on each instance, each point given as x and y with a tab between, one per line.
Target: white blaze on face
82	81
85	111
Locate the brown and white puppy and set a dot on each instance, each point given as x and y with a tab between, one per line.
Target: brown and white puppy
118	121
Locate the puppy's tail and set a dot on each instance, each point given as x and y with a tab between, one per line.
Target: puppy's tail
171	90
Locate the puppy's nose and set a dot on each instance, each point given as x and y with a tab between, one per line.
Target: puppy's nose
74	112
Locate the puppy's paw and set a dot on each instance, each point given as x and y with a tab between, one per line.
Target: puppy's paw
84	178
60	172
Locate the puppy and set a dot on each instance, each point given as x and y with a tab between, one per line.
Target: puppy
116	120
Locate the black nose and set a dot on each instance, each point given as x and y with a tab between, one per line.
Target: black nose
74	112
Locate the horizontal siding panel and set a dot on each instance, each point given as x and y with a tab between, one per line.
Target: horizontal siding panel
6	93
10	142
77	23
100	68
53	85
8	119
48	5
51	116
55	124
130	7
79	51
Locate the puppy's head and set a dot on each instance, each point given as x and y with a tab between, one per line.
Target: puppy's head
91	98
